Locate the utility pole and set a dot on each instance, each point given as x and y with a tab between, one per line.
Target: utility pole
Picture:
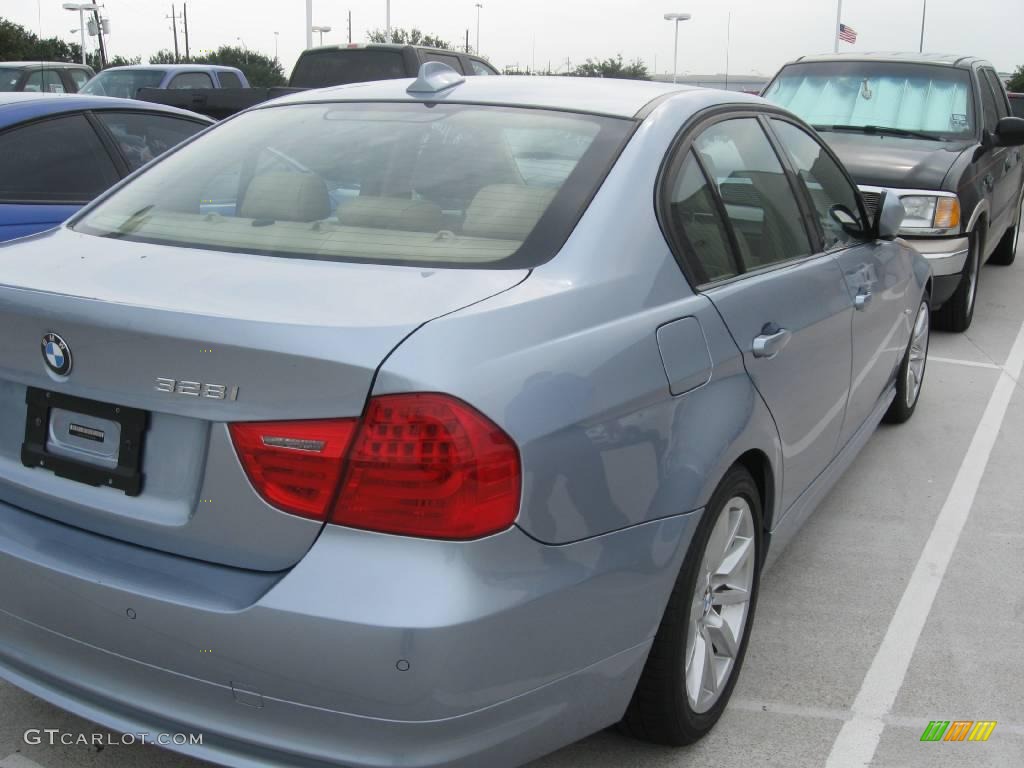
478	7
387	23
728	30
174	27
309	24
99	36
350	27
184	16
467	41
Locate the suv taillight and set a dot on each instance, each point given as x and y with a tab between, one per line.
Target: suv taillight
420	464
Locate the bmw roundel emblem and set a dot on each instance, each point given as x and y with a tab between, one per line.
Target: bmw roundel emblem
57	354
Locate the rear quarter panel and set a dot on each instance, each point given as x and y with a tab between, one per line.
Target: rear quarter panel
568	364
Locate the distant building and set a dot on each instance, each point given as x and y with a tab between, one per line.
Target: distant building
749	83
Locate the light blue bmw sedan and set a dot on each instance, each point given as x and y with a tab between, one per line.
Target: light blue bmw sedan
436	422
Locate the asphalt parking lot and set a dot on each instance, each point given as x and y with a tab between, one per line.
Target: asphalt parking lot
901	601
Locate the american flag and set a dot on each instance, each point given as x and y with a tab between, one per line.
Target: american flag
847	34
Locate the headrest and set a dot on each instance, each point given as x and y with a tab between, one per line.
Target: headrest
506	211
391	213
286	197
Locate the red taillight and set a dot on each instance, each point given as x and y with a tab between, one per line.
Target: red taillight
295	465
429	465
419	465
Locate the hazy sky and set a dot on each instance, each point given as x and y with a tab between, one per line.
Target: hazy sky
764	33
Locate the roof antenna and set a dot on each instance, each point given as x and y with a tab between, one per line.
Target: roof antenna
435	77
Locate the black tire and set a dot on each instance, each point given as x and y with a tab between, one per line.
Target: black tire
905	402
958	311
1006	251
660	711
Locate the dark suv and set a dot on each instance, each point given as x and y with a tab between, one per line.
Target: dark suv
937	131
43	76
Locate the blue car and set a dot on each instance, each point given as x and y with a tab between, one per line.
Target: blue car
59	152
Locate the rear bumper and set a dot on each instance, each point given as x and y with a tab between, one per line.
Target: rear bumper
373	651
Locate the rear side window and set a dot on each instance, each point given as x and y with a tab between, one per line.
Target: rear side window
191	80
229	80
758	199
1017	106
451	61
52	82
317	70
60	160
833	197
34	82
696	225
142	136
446	184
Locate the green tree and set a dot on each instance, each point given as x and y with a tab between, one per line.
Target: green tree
261	71
634	70
1016	83
412	36
20	44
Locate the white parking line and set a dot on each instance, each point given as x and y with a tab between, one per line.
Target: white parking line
858	738
18	761
969	363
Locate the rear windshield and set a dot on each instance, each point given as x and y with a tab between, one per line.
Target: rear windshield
922	98
444	184
124	83
324	68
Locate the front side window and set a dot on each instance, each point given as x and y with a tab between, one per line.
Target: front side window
998	93
696	224
60	160
52	82
142	136
758	199
988	104
123	83
479	68
229	80
451	61
191	80
453	185
79	77
922	100
834	198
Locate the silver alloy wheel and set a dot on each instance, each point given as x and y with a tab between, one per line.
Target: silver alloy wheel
720	605
918	354
972	279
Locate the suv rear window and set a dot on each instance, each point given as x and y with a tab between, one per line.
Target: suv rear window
444	184
340	67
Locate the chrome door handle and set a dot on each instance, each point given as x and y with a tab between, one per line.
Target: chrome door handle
771	341
989	181
1008	163
861	300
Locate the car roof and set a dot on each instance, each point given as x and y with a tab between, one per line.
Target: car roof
172	67
390	47
906	57
604	96
48	64
20	106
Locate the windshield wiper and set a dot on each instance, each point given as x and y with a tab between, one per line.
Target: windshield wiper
880	130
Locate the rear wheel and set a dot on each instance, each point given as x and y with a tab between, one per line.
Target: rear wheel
700	645
958	311
910	376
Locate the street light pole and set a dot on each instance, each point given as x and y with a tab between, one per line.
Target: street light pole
321	30
924	13
275	45
387	23
478	7
676	17
309	24
81	8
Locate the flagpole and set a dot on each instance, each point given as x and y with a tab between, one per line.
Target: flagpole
839	18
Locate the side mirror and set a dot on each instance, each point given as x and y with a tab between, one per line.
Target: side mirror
890	215
1009	132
